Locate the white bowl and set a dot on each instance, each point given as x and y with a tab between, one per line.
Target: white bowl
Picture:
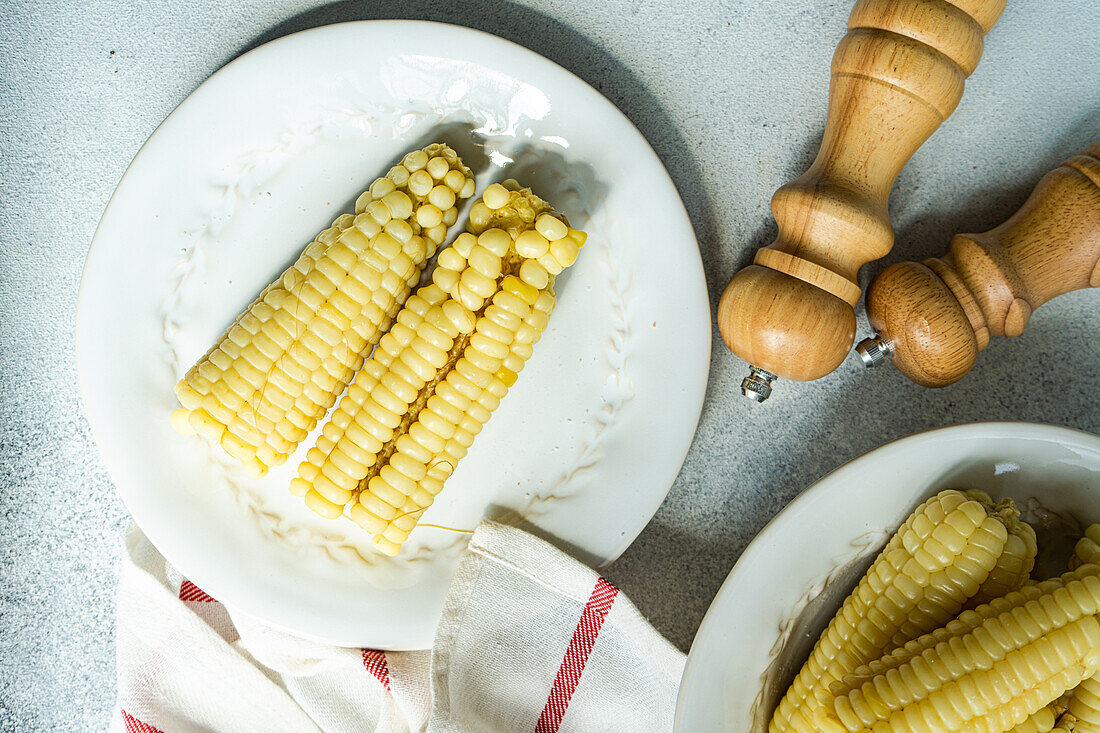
827	536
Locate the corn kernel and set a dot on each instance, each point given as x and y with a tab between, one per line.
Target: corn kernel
534	274
461	317
432	354
489	346
478	283
506	376
551	227
496	196
550	263
360	204
520	289
436	234
489	328
451	260
531	244
485	262
565	252
399	174
454	181
462	246
442	197
429	216
365	519
399	204
379	212
322	506
495	241
415	160
421	183
377	507
381	187
180	422
479	215
206	426
468	298
438	167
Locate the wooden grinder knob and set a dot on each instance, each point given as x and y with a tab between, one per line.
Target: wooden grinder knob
933	318
897	74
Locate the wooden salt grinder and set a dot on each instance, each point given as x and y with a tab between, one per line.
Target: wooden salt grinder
897	74
933	318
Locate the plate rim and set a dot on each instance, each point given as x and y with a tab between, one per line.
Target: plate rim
450	27
1001	428
676	212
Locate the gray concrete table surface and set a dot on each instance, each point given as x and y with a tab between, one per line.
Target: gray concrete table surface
732	97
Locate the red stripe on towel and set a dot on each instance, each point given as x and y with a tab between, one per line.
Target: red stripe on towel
133	725
191	592
375	662
576	655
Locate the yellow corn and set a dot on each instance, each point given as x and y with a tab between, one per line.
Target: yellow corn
936	560
279	368
414	409
1014	566
965	623
989	679
1087	549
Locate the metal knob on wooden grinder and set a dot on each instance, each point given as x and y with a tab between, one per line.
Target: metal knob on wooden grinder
933	317
897	74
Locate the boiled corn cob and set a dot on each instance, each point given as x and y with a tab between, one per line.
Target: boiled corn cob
1014	566
965	623
415	407
991	678
939	557
1087	549
279	368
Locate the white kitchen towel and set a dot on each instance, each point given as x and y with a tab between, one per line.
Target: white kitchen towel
530	640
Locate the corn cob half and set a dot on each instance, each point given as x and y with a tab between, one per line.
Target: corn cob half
414	409
989	679
279	368
938	558
965	623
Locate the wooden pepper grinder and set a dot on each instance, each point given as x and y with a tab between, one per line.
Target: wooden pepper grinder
897	74
933	318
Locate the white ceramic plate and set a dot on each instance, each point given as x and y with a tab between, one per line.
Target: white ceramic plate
264	155
827	536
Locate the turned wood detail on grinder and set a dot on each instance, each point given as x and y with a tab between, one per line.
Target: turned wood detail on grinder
897	74
932	318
